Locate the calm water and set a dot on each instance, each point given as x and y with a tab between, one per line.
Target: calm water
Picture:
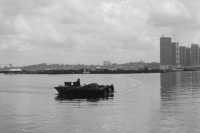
142	103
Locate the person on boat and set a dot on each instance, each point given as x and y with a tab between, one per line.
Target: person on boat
78	82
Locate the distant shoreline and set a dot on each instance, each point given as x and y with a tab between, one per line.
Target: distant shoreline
57	72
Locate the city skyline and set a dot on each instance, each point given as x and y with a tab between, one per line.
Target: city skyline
91	31
172	54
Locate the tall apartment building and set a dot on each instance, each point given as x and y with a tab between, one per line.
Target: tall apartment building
175	54
194	58
188	56
165	51
182	55
171	54
199	55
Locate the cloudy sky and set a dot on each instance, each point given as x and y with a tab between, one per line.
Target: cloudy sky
90	31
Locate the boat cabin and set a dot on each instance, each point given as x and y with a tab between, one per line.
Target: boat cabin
76	83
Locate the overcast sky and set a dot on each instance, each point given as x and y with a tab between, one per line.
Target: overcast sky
90	31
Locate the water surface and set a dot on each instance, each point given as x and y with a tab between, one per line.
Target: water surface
143	103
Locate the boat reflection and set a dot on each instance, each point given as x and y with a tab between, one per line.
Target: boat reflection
90	98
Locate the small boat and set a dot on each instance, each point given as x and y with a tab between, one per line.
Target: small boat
74	89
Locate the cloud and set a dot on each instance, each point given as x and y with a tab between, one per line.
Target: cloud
176	18
90	31
170	13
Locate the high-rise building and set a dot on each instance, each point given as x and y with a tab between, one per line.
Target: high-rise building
188	56
199	56
194	54
165	51
182	56
175	54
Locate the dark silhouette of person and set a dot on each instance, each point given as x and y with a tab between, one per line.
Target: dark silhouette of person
78	82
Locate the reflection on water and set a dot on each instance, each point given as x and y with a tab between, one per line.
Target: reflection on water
174	85
180	102
84	98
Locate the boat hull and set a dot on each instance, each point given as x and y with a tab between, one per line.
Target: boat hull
85	91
